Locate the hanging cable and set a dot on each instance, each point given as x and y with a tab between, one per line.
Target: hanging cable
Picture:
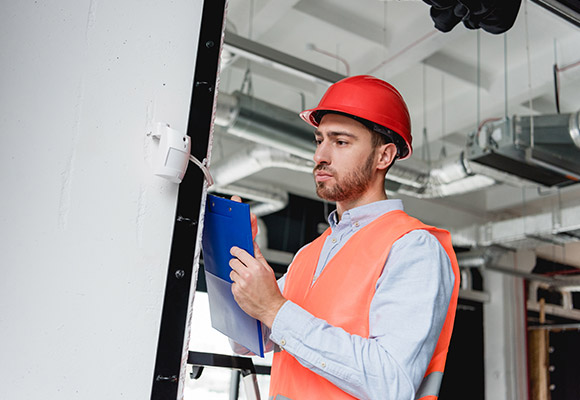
425	151
505	67
478	111
248	74
385	29
443	152
531	105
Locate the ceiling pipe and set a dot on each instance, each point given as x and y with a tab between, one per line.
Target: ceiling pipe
486	258
253	159
266	199
264	123
272	126
558	226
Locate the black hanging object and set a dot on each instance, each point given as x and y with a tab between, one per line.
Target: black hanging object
493	16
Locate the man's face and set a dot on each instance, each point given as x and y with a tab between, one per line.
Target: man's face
345	158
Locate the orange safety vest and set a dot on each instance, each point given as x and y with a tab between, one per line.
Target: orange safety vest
342	296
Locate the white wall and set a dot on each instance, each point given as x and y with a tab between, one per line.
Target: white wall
85	228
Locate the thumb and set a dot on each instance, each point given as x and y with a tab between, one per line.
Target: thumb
258	254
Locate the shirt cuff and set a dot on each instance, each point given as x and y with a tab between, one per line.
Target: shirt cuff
290	324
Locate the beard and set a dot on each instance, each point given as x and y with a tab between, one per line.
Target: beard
354	183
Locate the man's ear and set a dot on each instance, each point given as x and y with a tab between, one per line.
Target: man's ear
387	153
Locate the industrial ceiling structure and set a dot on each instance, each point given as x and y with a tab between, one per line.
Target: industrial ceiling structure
496	146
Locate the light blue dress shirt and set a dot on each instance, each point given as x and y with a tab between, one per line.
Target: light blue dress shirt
406	315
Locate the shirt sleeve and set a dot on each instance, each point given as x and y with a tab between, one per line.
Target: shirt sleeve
406	316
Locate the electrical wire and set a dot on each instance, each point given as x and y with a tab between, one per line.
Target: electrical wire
402	51
203	166
313	47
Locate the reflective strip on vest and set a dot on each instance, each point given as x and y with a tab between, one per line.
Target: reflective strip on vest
430	385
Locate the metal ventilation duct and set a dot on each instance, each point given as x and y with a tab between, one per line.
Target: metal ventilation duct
280	129
544	149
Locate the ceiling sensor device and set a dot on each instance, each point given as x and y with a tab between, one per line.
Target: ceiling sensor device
173	153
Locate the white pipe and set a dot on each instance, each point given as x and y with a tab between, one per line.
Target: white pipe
287	145
268	199
253	159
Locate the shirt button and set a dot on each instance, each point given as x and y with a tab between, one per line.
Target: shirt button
333	240
282	342
356	224
323	364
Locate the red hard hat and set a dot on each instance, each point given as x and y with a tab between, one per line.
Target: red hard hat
370	98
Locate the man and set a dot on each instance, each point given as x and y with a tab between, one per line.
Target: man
366	310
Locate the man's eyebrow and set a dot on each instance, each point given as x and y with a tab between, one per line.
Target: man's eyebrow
317	133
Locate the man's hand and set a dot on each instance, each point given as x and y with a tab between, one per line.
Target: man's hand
255	288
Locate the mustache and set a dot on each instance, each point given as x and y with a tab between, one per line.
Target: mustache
323	167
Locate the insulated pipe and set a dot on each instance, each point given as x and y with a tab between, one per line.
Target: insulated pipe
267	199
275	127
483	259
253	159
264	123
471	259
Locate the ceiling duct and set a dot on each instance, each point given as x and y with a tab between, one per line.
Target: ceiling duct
544	149
557	227
261	122
280	129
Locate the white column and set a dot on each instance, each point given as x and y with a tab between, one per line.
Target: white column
504	330
85	227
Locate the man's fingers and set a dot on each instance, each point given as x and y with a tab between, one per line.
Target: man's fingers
236	199
236	265
241	255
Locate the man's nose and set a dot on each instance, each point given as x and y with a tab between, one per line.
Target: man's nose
321	155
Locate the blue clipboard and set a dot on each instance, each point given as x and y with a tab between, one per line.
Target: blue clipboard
227	224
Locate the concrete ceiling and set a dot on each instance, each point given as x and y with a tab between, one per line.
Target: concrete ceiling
449	82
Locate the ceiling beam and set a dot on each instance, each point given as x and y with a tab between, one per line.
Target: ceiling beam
342	19
281	61
267	17
412	46
459	69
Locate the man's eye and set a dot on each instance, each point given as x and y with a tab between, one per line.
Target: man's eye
317	141
341	142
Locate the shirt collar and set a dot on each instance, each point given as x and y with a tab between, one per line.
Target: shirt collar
365	214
